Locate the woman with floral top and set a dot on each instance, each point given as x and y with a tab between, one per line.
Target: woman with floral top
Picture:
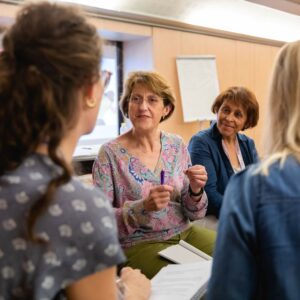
152	212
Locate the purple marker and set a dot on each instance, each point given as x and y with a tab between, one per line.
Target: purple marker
162	177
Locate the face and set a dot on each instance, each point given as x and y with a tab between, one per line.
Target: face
145	108
231	118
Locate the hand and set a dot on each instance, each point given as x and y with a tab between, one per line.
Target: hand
197	176
158	198
137	285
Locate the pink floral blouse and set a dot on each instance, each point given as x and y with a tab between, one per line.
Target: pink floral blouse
127	181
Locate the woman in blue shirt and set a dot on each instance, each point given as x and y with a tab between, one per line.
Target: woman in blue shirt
258	244
221	148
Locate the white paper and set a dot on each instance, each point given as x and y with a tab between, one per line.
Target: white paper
183	253
86	152
199	86
181	282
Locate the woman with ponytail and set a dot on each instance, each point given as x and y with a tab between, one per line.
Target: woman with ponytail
58	237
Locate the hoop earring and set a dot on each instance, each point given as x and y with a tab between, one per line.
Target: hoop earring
90	103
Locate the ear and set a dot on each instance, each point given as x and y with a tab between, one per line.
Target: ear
166	111
88	100
88	91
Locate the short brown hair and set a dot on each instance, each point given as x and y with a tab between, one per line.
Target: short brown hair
152	80
245	98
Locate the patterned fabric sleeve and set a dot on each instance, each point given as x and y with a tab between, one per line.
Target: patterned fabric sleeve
193	209
85	236
78	227
130	215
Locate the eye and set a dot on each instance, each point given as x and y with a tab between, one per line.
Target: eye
153	99
238	114
135	98
225	110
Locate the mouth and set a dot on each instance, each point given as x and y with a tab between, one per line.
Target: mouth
142	116
227	126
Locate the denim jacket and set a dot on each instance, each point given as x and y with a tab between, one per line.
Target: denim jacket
257	254
206	149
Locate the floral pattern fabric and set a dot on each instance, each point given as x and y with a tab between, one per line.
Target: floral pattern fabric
127	182
78	226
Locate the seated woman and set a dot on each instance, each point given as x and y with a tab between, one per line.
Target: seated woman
152	212
221	148
58	237
257	252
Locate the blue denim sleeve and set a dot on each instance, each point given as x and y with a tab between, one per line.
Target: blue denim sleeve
200	153
234	273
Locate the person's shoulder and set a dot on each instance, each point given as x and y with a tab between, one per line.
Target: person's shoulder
83	210
243	137
109	150
204	135
247	179
172	138
282	177
108	146
203	138
84	198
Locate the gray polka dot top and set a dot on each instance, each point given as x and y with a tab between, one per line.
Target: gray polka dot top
79	226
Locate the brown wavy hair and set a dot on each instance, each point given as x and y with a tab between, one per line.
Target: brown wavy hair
244	97
48	54
152	80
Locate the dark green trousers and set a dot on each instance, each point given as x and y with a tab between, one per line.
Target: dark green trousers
144	256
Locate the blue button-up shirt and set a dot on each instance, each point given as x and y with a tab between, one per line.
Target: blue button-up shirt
257	253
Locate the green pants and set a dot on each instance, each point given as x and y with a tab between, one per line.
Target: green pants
144	256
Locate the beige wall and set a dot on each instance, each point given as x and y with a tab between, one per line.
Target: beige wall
238	63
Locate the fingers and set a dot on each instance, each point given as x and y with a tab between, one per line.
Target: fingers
159	198
163	188
126	270
137	286
154	203
197	176
196	170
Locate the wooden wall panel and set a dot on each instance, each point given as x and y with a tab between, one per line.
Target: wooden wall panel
166	46
238	63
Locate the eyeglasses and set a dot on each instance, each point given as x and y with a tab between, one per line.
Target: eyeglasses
151	100
105	78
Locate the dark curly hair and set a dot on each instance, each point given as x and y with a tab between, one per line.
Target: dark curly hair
48	54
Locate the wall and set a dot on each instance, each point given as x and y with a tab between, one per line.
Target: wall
238	62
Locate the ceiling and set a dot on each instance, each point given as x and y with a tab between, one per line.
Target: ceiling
277	20
289	6
177	8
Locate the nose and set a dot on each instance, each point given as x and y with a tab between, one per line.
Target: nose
143	104
229	117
